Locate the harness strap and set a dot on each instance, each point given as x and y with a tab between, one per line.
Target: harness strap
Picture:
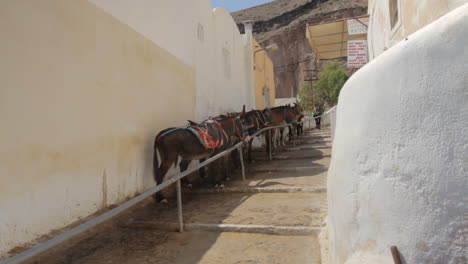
167	132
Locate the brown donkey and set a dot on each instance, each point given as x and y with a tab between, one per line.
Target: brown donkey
188	144
282	115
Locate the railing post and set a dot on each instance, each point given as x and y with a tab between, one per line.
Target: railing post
270	142
241	155
179	206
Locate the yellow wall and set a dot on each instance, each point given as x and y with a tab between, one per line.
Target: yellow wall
264	77
81	98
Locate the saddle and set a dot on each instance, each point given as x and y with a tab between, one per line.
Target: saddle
209	132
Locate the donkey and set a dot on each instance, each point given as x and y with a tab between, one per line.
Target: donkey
174	142
298	126
252	121
262	122
284	115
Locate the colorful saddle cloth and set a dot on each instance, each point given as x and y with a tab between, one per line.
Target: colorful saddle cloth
210	133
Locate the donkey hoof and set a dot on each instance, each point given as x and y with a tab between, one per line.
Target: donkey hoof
221	186
164	201
216	186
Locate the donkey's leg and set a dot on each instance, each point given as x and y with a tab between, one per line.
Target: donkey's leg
235	159
201	171
225	167
214	173
282	138
267	142
262	139
165	165
274	134
184	164
249	151
290	131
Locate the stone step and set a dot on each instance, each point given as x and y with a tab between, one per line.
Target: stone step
286	169
253	189
289	147
307	147
256	229
268	209
289	165
298	153
311	141
284	157
312	178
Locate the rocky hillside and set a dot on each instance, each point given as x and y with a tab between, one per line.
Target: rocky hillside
284	22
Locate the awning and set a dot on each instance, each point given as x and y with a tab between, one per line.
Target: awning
329	40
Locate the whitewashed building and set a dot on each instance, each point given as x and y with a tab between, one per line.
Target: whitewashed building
398	174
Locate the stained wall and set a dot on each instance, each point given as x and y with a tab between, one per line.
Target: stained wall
82	96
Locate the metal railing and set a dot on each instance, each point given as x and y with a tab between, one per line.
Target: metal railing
310	117
33	252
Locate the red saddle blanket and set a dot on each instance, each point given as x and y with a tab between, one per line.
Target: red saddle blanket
211	140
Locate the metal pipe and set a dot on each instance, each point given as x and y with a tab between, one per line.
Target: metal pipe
179	207
241	155
28	254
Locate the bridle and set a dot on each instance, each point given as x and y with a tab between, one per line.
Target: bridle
240	134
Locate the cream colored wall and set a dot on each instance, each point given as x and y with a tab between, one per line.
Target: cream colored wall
174	26
398	172
264	77
414	15
81	98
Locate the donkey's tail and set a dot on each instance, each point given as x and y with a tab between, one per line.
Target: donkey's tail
156	162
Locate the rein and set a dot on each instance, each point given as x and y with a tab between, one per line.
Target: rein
244	132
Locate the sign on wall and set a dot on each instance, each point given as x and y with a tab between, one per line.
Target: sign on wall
357	53
358	26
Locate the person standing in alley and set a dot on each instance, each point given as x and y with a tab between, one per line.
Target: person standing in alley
317	116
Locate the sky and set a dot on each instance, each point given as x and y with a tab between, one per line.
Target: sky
236	5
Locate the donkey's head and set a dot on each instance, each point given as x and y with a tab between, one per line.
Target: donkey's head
260	118
298	107
248	123
251	122
267	115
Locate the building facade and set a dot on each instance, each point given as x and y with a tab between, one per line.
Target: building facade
204	38
85	86
264	78
398	171
393	20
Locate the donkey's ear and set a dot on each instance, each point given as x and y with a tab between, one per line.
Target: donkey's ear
192	123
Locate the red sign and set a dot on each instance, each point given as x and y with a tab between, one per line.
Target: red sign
357	53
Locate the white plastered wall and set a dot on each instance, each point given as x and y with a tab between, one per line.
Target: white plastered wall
82	97
413	15
398	174
175	26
